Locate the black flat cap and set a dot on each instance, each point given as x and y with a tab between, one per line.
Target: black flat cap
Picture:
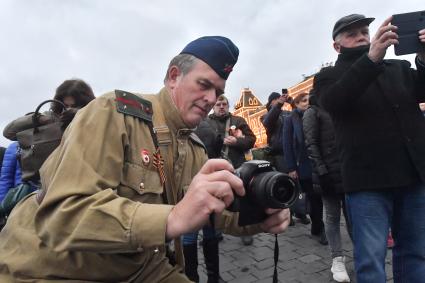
348	21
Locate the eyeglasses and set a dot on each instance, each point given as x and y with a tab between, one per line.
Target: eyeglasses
221	104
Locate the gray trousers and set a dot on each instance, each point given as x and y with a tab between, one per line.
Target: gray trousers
333	204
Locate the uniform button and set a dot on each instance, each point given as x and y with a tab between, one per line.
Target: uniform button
141	187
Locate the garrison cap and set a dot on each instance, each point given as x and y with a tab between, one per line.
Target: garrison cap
348	21
219	52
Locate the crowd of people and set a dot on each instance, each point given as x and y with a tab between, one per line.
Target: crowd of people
126	202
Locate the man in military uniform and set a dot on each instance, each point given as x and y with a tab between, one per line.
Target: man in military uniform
128	179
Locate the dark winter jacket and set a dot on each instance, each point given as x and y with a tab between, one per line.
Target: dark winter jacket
380	131
236	152
273	123
213	142
296	156
319	136
10	172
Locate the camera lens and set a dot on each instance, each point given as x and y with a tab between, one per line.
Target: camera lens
273	189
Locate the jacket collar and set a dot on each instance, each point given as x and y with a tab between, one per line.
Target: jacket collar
352	54
173	118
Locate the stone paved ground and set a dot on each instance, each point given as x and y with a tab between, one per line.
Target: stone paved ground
301	258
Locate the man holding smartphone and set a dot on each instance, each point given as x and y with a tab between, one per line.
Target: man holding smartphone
273	123
380	136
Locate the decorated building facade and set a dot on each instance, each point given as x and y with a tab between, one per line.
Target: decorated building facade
251	109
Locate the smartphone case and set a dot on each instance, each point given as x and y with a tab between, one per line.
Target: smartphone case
409	25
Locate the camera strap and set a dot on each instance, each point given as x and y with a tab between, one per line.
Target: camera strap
276	258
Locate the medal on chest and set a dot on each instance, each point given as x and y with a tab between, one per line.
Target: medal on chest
145	157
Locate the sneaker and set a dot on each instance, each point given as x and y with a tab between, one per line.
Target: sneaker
338	270
390	241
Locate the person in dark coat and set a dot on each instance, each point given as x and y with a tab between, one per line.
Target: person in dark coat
211	237
380	135
319	136
273	123
236	136
299	165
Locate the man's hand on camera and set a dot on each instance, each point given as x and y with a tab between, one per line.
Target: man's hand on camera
277	221
384	38
421	55
210	191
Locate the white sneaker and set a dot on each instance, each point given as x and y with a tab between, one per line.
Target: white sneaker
338	269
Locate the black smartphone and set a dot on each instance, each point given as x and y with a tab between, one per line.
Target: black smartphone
284	91
409	25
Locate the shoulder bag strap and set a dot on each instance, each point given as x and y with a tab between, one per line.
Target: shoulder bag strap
163	144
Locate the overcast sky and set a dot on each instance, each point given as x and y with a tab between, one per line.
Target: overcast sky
128	44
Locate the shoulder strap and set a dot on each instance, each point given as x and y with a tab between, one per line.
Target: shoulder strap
163	137
133	105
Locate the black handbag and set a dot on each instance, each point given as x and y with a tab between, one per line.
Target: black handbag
37	143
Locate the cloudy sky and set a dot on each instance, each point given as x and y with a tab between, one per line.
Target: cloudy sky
128	44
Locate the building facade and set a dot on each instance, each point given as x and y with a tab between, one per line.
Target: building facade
251	109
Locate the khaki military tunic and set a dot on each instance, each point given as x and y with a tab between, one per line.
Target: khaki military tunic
103	218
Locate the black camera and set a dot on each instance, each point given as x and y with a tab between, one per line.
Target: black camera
264	188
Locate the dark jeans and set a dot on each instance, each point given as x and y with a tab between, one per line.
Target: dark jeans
372	214
191	238
316	206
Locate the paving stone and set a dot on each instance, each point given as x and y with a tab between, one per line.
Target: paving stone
309	258
266	263
301	258
261	253
244	279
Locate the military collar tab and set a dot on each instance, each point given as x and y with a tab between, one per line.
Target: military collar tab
133	105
